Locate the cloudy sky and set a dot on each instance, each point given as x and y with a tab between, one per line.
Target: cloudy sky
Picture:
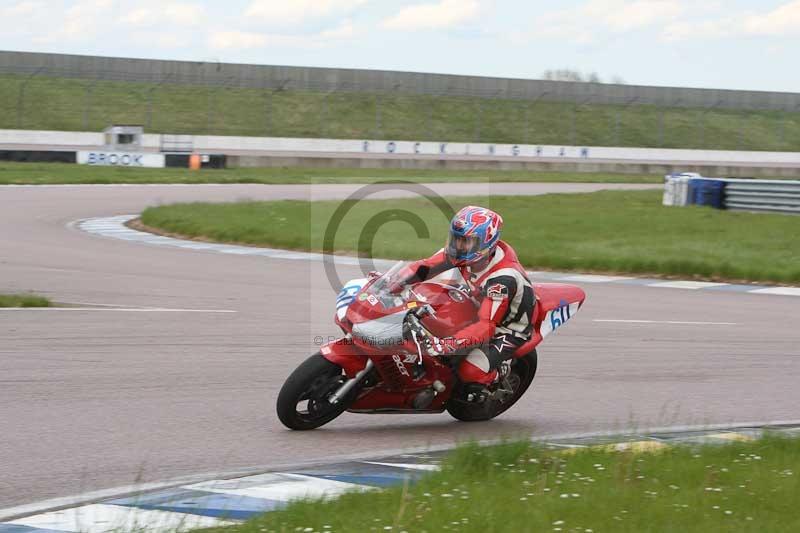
731	44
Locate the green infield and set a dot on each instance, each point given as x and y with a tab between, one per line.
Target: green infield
61	173
608	231
523	487
23	300
52	103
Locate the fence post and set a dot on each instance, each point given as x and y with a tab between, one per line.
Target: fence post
702	138
210	101
429	117
625	106
269	110
88	103
477	135
525	126
150	94
21	96
782	122
377	134
574	123
742	125
531	106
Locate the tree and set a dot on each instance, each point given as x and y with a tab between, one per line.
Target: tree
565	74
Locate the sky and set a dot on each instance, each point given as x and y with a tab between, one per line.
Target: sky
734	44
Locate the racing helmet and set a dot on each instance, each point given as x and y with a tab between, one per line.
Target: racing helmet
474	234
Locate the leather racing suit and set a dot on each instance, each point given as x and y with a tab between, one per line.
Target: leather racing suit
505	314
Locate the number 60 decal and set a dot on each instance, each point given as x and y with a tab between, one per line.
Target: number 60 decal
557	317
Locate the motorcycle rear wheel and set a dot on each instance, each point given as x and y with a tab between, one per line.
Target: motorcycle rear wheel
303	400
522	368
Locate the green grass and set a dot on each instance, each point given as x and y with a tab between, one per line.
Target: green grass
91	105
523	487
608	231
23	300
60	173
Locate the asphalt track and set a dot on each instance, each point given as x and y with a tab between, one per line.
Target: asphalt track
98	399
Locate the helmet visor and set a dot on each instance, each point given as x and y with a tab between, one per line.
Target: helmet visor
461	247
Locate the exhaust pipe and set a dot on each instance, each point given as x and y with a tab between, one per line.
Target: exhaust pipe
348	385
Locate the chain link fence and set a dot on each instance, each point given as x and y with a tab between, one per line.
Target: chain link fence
64	98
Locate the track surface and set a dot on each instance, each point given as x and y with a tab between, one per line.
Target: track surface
92	400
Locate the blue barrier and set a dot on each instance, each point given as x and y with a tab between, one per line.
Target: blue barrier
707	192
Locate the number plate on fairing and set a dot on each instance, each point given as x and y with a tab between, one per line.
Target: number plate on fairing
557	317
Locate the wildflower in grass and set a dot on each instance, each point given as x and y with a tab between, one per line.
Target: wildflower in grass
558	522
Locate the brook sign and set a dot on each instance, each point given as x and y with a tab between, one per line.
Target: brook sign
121	159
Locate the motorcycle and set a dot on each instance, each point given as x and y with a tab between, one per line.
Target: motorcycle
383	363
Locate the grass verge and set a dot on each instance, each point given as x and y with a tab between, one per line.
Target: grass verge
608	231
23	300
44	102
60	173
744	486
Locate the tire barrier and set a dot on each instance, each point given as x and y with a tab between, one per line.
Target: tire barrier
769	196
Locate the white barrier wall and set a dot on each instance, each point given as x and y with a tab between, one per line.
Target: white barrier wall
257	145
486	150
44	139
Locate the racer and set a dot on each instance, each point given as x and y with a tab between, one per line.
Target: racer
506	296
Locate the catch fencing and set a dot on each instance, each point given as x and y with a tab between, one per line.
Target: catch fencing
380	81
63	92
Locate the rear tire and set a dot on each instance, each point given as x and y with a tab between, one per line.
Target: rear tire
524	368
303	399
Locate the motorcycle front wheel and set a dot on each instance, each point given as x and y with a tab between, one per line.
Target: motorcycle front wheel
303	402
523	370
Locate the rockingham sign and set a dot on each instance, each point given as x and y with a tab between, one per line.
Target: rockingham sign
121	159
475	149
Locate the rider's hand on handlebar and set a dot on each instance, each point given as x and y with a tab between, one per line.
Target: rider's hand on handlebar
442	346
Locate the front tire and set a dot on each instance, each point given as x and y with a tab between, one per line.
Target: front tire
303	400
523	370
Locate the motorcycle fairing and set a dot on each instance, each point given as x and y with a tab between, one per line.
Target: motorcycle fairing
345	353
556	303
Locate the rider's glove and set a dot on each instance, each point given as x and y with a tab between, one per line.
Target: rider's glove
443	345
401	279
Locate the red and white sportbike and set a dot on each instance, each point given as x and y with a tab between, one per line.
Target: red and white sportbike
382	364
